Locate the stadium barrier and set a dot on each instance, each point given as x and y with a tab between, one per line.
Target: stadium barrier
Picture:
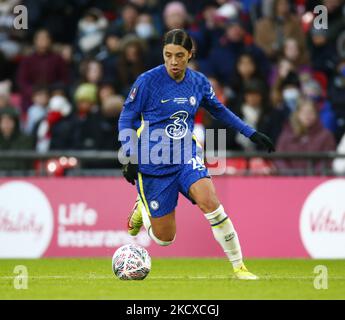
275	217
62	163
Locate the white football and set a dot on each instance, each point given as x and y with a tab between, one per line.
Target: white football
131	262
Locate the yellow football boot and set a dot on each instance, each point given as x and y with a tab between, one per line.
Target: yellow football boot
242	273
135	219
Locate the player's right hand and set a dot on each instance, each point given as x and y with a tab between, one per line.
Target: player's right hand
130	172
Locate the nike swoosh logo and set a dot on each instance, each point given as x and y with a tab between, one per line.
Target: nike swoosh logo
164	101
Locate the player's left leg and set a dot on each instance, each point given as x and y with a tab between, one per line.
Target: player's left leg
155	208
160	229
135	218
203	193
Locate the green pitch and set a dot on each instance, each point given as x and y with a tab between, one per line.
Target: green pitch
172	279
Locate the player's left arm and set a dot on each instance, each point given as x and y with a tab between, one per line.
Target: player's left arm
229	119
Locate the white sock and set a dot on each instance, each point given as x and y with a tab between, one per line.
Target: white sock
224	232
145	215
148	227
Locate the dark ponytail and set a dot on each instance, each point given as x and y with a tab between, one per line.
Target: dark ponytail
179	37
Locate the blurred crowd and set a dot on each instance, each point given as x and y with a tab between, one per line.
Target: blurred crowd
63	80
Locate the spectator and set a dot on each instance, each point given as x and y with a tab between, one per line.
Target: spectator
38	110
246	69
50	129
58	17
91	29
312	90
256	111
230	47
175	16
336	24
58	89
93	72
110	112
126	24
11	138
322	51
90	71
105	90
146	31
7	67
292	51
10	44
131	63
337	97
109	55
304	133
206	30
280	71
271	32
82	127
287	92
291	60
66	51
150	6
144	27
43	67
5	91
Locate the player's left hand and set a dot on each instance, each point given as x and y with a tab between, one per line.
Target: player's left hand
130	172
262	140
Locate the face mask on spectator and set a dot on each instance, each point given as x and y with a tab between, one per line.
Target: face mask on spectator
144	30
339	82
290	97
89	27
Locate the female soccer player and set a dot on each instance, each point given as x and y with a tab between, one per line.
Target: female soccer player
165	100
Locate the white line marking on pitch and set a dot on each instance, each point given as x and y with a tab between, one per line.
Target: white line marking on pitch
214	277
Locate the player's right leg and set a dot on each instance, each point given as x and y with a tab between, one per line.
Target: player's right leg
204	194
196	186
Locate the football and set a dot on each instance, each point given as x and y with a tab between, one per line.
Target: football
131	262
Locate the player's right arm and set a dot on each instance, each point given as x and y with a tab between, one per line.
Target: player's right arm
133	106
129	118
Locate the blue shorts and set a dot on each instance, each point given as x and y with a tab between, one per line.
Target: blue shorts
160	193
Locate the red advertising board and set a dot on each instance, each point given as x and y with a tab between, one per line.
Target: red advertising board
274	217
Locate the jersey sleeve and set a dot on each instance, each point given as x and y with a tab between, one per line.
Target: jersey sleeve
133	106
131	114
222	113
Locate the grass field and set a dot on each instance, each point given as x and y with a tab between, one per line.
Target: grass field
172	279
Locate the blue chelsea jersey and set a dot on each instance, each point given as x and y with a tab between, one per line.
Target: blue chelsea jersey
166	110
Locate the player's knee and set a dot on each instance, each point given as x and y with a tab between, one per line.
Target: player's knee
208	204
164	238
206	199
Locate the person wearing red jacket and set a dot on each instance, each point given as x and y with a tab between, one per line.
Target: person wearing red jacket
42	67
